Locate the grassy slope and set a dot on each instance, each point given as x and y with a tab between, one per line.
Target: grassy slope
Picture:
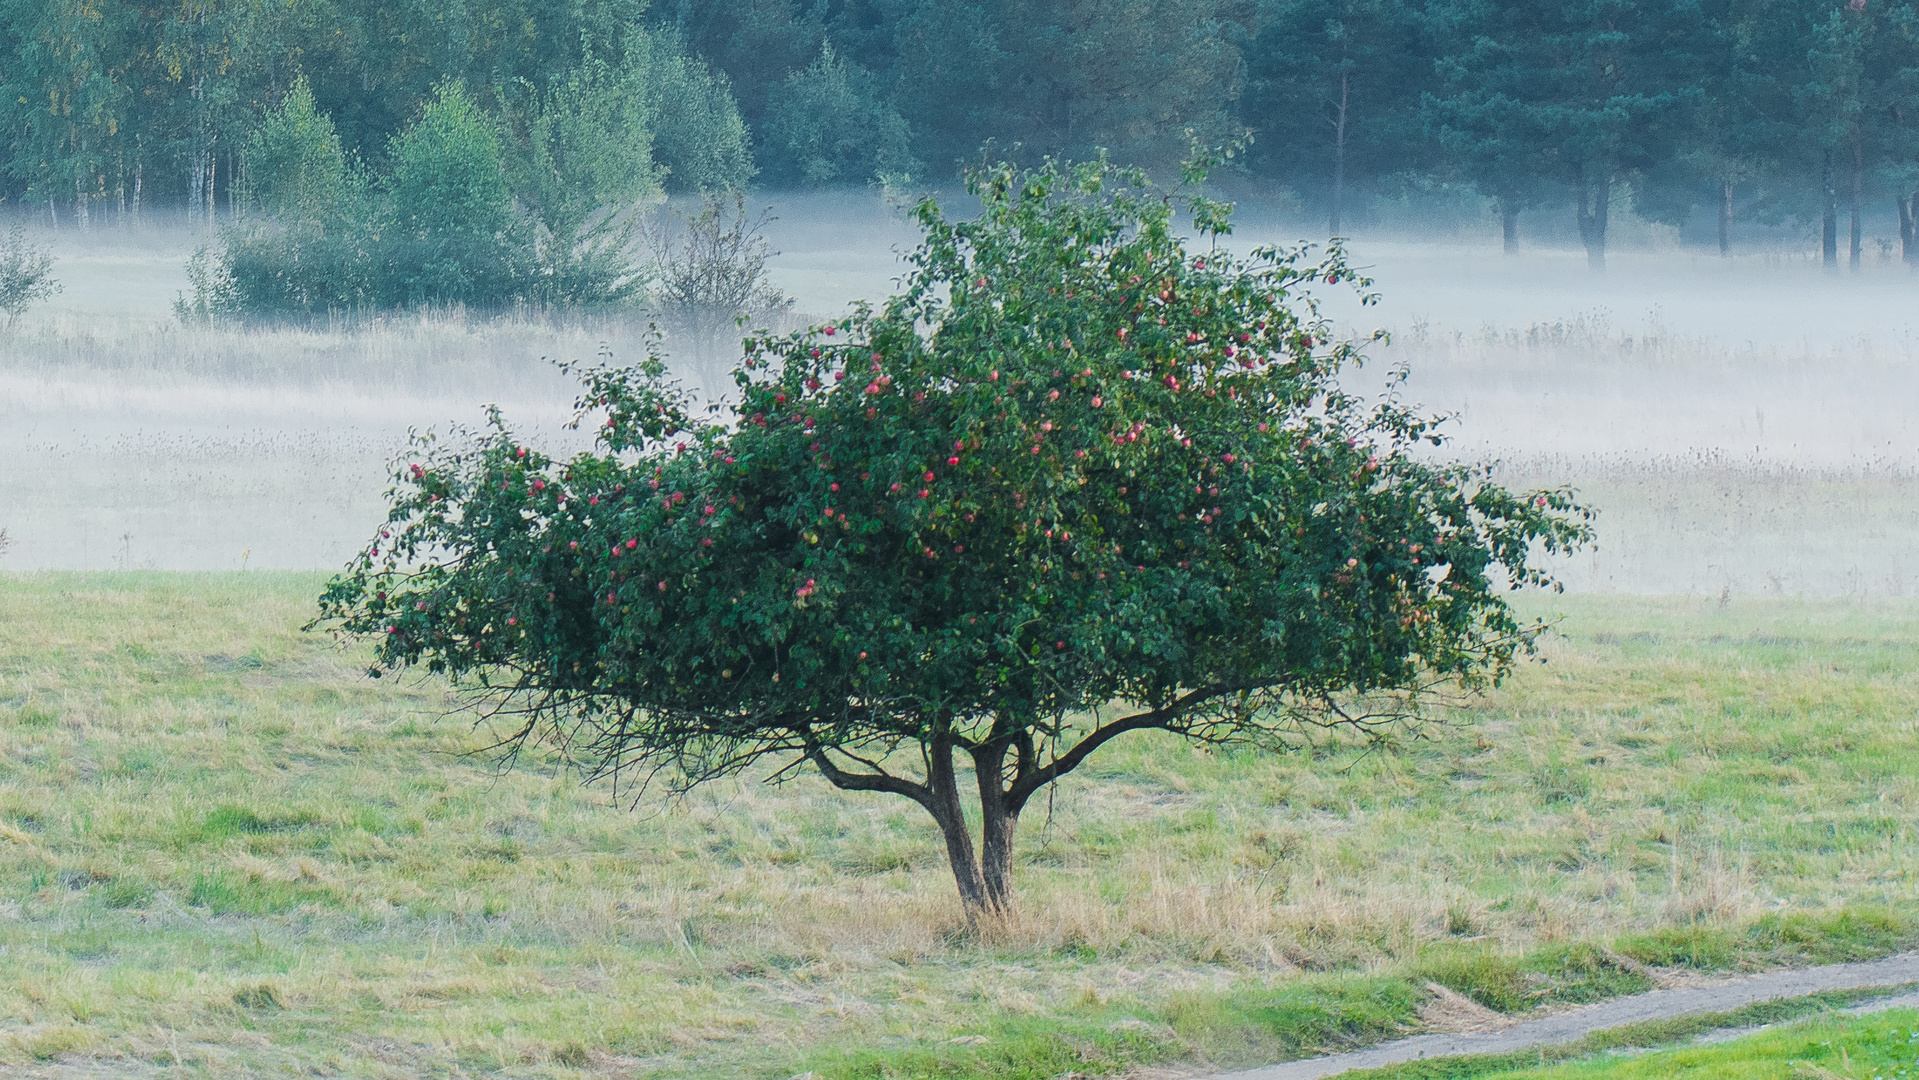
220	846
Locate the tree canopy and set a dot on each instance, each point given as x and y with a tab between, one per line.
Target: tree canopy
1078	478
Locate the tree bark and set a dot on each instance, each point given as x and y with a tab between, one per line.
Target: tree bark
999	815
1595	199
1509	226
1829	230
951	818
1339	157
1725	218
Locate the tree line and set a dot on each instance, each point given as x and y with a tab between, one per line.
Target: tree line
1768	110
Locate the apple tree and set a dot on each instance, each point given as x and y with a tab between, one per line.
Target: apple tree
1081	476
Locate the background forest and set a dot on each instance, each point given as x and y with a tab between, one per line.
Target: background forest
548	116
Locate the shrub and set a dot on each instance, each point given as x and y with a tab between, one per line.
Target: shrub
26	275
831	125
452	235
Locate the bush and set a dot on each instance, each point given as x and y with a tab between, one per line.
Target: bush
699	139
26	275
710	272
831	125
452	235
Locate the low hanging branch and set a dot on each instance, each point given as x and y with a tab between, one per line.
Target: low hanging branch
1072	465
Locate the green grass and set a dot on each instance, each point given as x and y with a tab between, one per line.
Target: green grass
1880	1046
1628	1038
223	849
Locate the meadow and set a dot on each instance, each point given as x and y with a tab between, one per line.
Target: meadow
224	851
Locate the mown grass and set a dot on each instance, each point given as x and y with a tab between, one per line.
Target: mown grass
225	852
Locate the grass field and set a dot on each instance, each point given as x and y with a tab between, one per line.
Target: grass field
225	853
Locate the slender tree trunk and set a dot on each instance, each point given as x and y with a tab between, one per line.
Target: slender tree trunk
138	178
1339	157
1908	203
1858	194
1725	218
1829	229
1904	203
951	817
213	176
53	214
1595	200
196	180
1509	226
80	215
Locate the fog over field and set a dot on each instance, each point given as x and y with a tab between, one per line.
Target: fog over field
1744	425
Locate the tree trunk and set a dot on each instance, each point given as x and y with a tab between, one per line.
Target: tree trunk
1858	195
999	819
1509	226
1339	158
1595	199
196	179
1829	231
138	177
1725	218
1908	204
80	215
951	817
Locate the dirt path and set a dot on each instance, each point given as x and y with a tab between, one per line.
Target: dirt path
1577	1023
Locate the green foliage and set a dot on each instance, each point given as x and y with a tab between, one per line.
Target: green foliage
26	274
295	166
582	161
699	139
453	236
542	203
1071	463
214	293
830	125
